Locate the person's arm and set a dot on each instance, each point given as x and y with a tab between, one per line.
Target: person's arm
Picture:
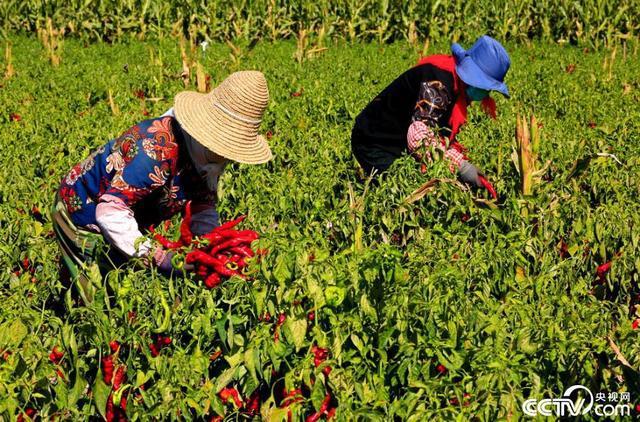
135	178
434	100
204	219
120	228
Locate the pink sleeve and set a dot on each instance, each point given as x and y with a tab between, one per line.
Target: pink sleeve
419	135
120	228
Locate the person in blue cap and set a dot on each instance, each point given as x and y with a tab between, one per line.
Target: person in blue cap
426	106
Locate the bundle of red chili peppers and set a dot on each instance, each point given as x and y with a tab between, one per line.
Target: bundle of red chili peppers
217	255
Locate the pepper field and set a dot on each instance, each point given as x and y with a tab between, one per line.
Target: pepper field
442	306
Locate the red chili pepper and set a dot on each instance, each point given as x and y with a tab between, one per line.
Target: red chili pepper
213	238
230	393
324	410
158	344
320	355
56	355
166	243
602	271
155	351
237	241
202	271
311	316
224	271
635	324
281	319
28	412
119	377
200	257
212	280
186	237
114	346
114	413
107	369
441	369
293	396
110	414
242	250
230	224
253	404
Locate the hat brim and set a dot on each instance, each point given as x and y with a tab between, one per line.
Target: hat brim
471	74
217	131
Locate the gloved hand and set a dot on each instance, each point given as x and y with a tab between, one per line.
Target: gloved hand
166	265
469	174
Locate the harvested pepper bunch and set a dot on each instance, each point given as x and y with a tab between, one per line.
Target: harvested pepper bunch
215	256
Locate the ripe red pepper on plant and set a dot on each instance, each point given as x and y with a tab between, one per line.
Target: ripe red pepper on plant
119	377
253	404
230	393
293	396
56	355
115	413
602	270
281	319
320	355
28	413
323	411
107	369
159	343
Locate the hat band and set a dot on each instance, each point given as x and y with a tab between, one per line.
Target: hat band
235	115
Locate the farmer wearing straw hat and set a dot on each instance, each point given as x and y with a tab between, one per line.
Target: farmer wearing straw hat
150	172
425	107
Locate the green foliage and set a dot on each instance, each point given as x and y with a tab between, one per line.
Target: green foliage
397	289
593	21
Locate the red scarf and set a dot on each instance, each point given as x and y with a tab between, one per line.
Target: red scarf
459	112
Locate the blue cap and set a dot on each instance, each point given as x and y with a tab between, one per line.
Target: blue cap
484	65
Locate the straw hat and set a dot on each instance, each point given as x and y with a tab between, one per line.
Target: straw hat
227	119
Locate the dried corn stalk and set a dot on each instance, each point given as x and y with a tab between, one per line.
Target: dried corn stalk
201	78
9	70
112	104
528	144
186	72
52	42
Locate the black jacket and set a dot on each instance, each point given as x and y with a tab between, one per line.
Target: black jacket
379	135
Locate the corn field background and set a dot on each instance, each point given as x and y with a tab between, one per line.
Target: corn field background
591	22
